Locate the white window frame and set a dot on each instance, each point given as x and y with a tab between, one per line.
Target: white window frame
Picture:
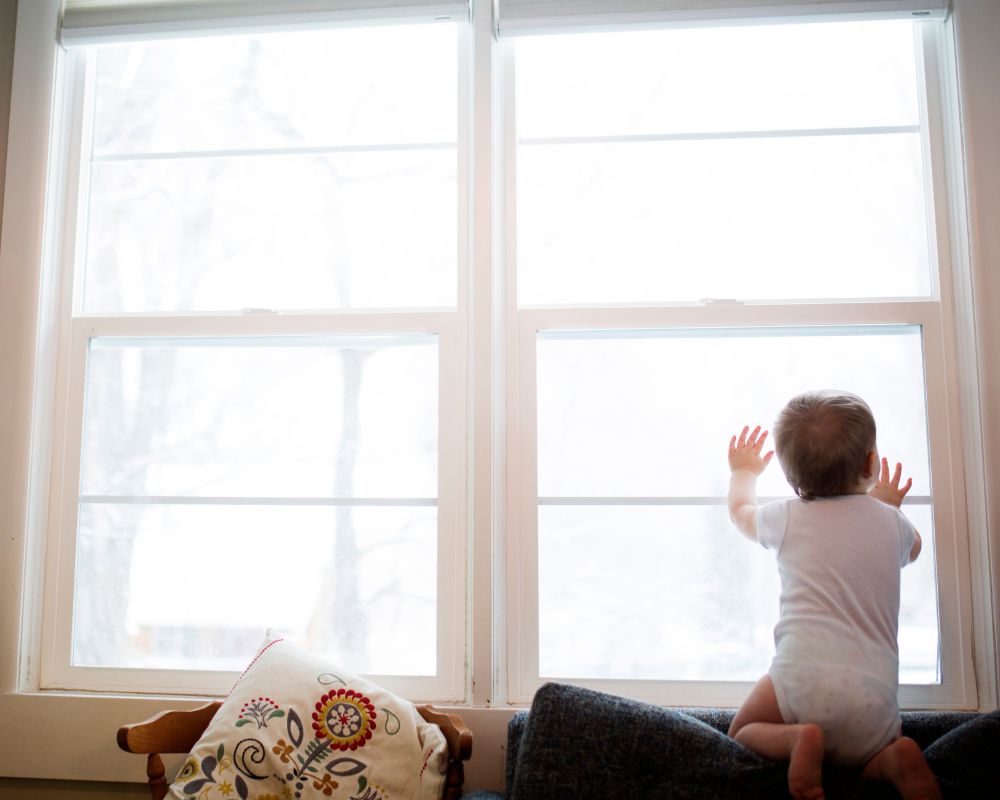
75	330
971	175
933	315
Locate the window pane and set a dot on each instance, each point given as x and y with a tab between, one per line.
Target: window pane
195	587
811	217
650	413
677	165
308	170
730	78
352	416
350	86
686	597
351	230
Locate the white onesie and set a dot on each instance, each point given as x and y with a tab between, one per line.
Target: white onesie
837	661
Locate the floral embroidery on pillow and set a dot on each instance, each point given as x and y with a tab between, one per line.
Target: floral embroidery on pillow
344	721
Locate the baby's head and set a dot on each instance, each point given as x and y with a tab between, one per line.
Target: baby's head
823	441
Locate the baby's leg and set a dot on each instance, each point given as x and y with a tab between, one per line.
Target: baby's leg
902	764
759	725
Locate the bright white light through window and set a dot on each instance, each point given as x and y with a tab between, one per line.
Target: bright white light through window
668	166
636	551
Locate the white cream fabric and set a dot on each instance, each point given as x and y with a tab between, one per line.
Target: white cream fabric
837	659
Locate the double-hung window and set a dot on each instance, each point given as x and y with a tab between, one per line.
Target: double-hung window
709	219
421	336
262	358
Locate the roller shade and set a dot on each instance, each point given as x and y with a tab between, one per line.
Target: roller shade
548	16
97	21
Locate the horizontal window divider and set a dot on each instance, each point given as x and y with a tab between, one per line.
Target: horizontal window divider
179	500
261	322
705	500
256	152
780	133
756	315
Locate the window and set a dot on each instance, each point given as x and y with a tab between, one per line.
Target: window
283	379
263	372
701	233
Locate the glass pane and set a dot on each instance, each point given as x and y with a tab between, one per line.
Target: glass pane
350	86
650	413
352	416
919	640
350	230
195	587
731	78
767	218
686	597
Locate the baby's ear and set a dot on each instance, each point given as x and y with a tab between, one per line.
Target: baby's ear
871	465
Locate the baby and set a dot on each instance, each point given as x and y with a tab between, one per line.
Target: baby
831	688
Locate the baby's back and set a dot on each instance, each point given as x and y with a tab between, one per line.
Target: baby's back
839	560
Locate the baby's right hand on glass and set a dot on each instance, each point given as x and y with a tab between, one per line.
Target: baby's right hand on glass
888	489
744	452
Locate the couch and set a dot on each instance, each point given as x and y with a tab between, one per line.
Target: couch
580	744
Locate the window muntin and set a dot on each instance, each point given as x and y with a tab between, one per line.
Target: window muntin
672	166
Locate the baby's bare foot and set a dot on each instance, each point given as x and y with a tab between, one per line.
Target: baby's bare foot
903	765
805	768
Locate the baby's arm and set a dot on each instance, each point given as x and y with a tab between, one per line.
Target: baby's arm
890	492
746	463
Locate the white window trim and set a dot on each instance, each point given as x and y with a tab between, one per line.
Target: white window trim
77	331
58	717
934	315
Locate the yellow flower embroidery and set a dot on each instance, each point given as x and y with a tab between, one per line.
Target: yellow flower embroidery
327	784
283	750
225	788
189	769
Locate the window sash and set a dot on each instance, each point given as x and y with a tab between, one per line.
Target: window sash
88	22
76	330
957	687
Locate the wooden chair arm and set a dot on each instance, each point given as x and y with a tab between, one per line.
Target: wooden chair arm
168	731
455	731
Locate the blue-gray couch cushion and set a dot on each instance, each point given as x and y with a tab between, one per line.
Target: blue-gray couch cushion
582	744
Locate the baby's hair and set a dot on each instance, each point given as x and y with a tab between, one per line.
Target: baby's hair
822	440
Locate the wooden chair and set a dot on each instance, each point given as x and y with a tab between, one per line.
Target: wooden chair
179	731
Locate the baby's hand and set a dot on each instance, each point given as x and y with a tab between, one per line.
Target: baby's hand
745	452
889	491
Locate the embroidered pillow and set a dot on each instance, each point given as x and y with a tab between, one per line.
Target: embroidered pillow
296	727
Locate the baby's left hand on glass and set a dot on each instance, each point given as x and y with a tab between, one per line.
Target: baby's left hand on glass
888	489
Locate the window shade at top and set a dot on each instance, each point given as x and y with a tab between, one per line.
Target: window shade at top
96	21
549	16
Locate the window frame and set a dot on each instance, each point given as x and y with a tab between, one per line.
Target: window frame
934	314
76	329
